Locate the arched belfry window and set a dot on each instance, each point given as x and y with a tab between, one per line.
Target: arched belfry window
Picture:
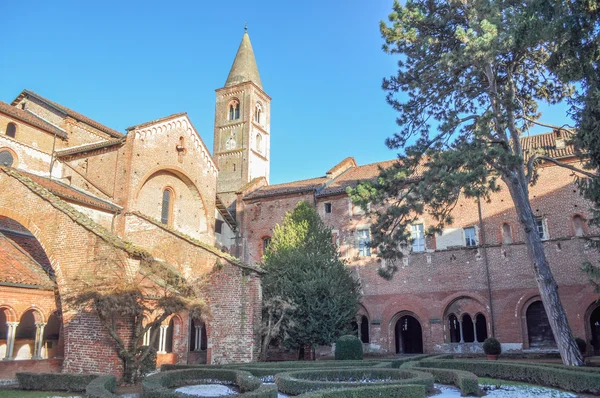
578	225
259	143
11	130
234	110
166	215
257	113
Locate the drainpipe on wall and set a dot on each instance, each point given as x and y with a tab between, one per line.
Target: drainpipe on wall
52	156
487	267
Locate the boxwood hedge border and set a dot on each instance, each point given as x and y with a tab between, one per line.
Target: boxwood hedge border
160	385
570	379
303	381
393	391
102	387
54	381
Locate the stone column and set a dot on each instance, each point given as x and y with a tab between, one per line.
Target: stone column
162	344
198	338
475	330
10	339
359	324
462	340
146	340
39	340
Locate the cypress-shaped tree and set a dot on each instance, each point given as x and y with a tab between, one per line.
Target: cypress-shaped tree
303	267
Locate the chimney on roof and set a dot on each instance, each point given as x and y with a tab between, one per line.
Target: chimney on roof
339	168
559	140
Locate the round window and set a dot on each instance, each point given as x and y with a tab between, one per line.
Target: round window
6	158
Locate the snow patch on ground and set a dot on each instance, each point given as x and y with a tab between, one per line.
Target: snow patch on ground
207	390
523	391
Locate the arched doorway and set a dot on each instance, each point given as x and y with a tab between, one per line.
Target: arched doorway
25	336
538	327
409	335
595	330
481	327
51	337
364	329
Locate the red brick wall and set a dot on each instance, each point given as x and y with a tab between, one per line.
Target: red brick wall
9	369
427	283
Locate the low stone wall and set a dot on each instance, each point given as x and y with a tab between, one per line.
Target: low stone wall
9	369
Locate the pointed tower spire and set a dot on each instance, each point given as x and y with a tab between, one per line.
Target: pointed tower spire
244	67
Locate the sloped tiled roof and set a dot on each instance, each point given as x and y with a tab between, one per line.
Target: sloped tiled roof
547	143
30	118
19	268
75	115
323	186
288	188
69	193
88	148
353	176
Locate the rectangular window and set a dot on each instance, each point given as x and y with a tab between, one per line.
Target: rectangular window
470	237
542	229
418	237
364	238
218	226
327	207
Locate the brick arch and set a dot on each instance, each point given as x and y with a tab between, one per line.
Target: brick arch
362	310
522	307
179	173
11	314
464	294
392	328
587	325
38	314
40	236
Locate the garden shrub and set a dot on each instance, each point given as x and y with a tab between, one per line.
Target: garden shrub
348	347
466	381
302	381
102	387
393	391
54	381
160	385
491	346
565	378
267	369
397	363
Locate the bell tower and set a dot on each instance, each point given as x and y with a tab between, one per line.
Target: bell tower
242	126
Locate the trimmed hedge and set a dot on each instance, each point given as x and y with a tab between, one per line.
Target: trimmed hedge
566	379
395	391
302	381
102	387
260	371
397	363
160	385
54	381
466	381
305	364
348	348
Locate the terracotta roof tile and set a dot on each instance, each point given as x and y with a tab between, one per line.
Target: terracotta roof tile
287	188
353	176
30	118
88	147
69	193
18	267
553	144
75	115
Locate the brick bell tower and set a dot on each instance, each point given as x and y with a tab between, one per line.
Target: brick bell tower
242	126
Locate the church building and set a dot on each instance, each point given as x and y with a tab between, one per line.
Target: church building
75	194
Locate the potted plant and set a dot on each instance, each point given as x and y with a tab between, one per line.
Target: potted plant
492	348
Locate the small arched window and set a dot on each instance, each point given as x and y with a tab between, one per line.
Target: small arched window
257	113
234	110
259	143
506	233
578	225
166	216
266	241
11	130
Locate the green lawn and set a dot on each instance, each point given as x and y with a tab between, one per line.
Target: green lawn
36	394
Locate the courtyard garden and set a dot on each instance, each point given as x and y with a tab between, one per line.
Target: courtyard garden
412	376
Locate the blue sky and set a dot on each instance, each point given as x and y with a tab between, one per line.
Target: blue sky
127	62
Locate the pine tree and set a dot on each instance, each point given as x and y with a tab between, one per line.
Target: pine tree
303	267
470	77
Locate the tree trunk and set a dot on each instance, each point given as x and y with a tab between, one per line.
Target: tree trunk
541	268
